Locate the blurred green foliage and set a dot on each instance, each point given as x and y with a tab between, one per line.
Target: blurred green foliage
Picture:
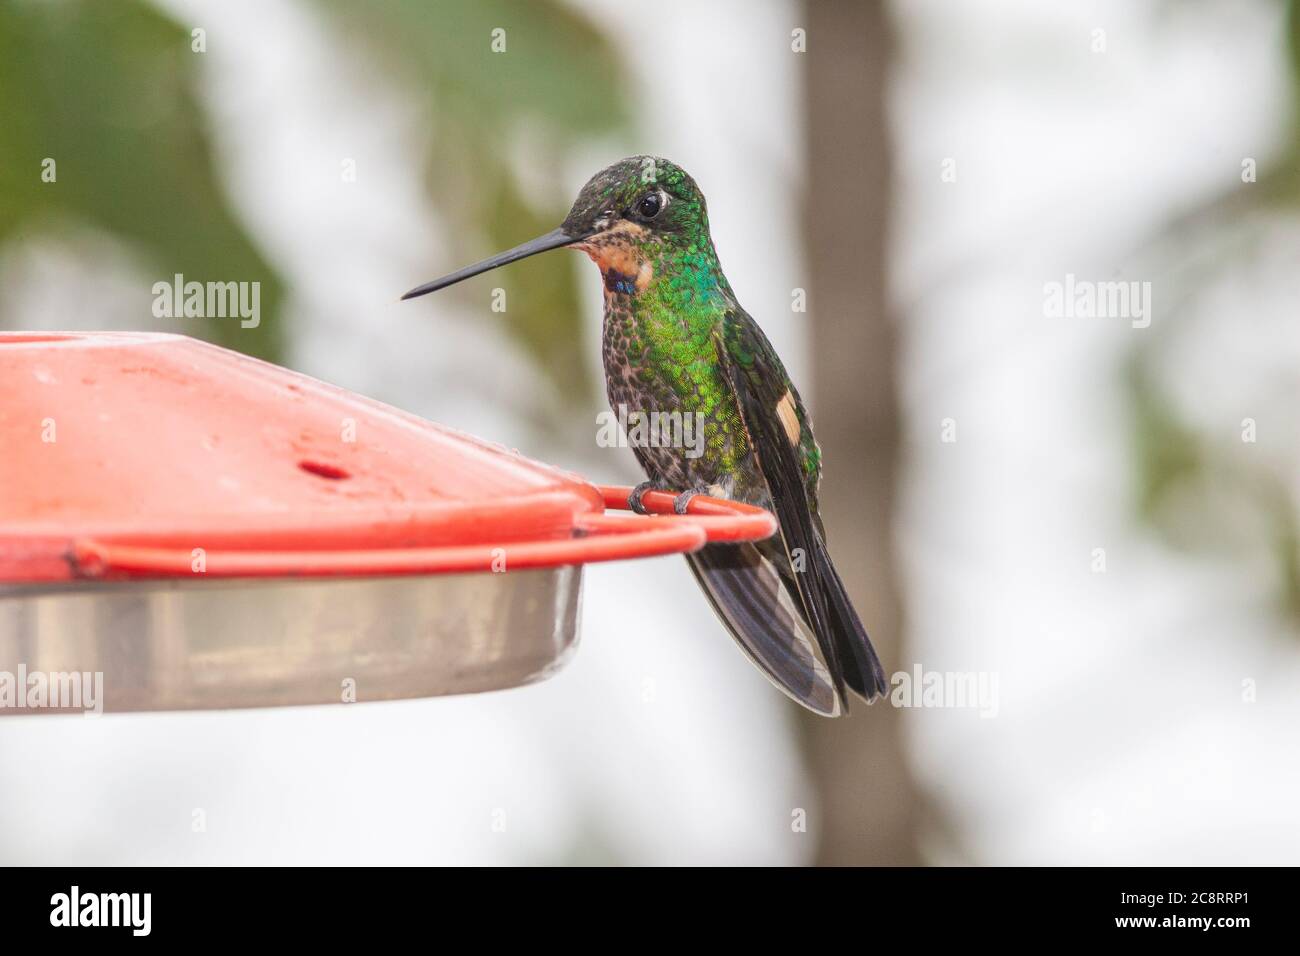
110	92
1196	487
500	127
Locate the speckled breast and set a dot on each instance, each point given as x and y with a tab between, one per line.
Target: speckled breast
688	441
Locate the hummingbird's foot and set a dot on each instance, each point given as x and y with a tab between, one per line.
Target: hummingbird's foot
682	500
634	499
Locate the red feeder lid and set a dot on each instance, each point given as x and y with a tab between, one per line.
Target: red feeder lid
138	468
148	455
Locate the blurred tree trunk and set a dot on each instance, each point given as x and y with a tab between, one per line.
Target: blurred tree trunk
869	805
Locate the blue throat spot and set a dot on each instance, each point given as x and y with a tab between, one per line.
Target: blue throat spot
618	282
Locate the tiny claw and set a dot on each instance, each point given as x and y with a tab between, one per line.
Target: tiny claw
634	499
682	500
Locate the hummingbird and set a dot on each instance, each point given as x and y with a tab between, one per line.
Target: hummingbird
676	340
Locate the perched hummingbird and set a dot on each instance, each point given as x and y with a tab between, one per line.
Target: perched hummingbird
676	340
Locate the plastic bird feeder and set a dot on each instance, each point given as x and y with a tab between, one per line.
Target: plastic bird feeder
210	531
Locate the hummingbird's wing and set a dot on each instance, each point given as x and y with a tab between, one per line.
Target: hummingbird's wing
746	591
767	407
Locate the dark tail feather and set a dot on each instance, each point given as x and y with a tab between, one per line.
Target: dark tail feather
745	589
862	669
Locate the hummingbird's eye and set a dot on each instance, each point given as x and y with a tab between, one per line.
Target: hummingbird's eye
648	206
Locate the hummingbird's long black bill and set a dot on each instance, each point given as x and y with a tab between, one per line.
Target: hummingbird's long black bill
554	239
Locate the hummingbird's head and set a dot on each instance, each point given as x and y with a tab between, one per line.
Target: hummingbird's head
628	218
639	196
634	213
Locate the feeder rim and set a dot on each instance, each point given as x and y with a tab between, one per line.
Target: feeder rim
598	537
